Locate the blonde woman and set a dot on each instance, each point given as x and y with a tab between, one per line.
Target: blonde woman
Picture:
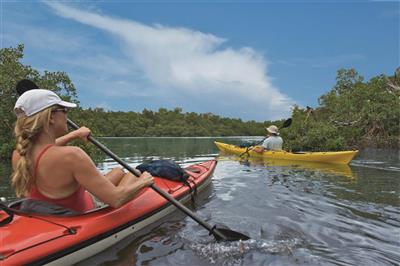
45	170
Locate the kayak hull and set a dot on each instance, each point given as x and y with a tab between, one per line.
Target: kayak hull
64	240
338	157
76	255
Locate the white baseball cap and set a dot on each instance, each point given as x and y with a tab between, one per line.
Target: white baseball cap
33	101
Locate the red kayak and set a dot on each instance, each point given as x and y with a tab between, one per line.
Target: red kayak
27	238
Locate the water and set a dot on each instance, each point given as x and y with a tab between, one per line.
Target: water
296	214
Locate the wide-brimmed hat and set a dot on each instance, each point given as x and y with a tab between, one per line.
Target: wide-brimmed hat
33	101
273	129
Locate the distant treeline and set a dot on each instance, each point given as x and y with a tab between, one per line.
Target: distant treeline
353	114
163	122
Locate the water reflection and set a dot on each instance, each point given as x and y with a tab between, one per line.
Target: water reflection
173	148
296	213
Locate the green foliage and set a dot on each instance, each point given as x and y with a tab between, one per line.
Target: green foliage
12	71
352	115
166	123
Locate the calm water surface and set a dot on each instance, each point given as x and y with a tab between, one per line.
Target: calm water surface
296	214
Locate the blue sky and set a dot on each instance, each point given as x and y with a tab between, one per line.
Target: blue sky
242	59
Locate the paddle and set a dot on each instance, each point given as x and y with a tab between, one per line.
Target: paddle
287	123
220	233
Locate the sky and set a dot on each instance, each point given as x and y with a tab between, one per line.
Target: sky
252	60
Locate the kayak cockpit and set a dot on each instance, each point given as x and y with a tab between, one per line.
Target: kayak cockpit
28	206
64	238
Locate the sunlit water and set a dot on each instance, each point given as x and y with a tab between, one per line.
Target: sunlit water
296	214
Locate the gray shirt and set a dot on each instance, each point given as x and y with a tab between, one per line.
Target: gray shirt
273	143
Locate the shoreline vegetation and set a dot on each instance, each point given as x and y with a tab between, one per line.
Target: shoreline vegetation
354	114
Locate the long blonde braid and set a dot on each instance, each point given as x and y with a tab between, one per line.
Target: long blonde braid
26	130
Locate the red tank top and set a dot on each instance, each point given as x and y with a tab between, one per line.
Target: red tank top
79	201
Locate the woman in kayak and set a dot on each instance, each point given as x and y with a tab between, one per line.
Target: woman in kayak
62	174
273	143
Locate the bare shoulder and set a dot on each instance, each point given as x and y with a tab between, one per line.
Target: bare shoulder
72	153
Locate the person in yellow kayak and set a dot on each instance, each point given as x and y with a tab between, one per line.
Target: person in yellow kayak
273	143
62	175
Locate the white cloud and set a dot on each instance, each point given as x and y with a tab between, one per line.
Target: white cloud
110	65
190	63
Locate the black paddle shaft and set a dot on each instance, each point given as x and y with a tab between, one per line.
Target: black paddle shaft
213	230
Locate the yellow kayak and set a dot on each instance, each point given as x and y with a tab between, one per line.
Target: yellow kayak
326	168
337	157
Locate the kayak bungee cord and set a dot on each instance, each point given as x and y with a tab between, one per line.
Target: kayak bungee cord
11	213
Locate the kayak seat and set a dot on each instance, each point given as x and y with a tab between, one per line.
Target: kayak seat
33	206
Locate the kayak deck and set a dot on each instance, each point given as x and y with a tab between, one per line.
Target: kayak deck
337	157
59	240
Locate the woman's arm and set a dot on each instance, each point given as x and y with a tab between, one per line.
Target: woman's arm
86	173
81	133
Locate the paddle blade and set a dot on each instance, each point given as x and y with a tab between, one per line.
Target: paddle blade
287	123
223	233
25	85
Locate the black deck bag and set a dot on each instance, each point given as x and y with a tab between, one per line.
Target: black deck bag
167	169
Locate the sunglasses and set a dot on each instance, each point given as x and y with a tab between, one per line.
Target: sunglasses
61	109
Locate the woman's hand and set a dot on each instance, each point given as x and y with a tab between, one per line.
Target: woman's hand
146	179
82	133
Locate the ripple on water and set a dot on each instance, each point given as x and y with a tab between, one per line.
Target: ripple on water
235	253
